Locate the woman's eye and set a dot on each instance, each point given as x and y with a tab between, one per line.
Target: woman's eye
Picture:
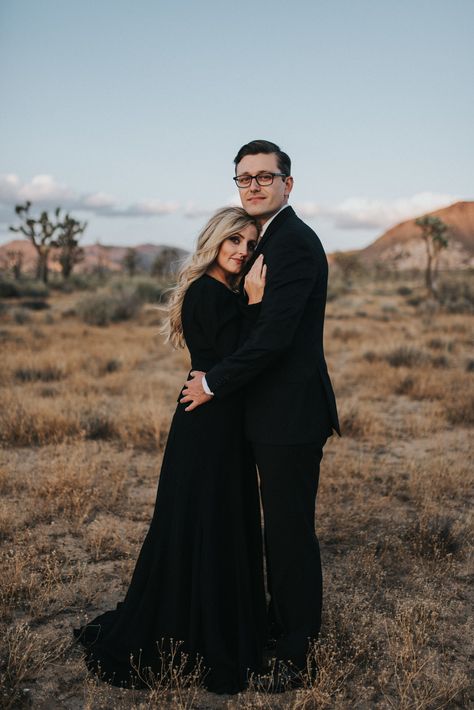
252	246
235	240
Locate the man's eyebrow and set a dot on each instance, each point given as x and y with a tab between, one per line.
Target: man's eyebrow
259	172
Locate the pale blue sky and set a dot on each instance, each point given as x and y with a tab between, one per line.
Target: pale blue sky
130	113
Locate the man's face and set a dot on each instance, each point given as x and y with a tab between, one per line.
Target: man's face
263	202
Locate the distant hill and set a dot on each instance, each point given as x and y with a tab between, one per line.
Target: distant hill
95	256
402	247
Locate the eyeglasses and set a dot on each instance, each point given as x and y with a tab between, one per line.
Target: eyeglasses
262	179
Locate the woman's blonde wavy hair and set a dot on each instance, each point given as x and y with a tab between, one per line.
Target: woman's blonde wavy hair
223	224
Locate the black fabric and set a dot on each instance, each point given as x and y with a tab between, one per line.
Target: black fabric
289	398
199	575
289	477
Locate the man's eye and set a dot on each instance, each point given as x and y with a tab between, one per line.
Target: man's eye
244	180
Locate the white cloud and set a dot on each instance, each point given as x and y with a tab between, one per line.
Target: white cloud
150	208
44	188
364	213
9	185
99	200
45	193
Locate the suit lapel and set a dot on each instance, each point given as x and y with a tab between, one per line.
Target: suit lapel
272	228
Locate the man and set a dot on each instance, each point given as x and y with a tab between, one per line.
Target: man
290	404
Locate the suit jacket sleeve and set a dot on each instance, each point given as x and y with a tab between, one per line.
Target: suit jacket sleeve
291	275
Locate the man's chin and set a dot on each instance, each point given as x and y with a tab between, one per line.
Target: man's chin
255	209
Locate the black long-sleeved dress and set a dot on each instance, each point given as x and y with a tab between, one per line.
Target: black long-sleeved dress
198	579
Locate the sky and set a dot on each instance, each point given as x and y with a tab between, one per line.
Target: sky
129	114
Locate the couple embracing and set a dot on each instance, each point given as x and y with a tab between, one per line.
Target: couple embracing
250	424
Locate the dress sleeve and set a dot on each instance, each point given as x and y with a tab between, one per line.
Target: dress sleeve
209	318
249	315
200	314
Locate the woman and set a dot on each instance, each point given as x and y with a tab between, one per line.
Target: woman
197	591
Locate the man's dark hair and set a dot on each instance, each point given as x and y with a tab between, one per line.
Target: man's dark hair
255	147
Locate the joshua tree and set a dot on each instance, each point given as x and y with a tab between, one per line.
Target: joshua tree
40	232
130	261
434	234
68	242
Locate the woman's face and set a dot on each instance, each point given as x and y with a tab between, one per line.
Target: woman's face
236	250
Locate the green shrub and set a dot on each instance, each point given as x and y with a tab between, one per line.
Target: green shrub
104	308
36	305
8	288
146	290
20	316
457	296
24	288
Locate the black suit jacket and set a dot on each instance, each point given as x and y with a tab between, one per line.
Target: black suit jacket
289	396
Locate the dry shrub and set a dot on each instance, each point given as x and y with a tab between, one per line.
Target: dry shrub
413	676
109	538
434	537
33	427
405	356
42	584
9	520
24	655
77	488
439	344
354	422
345	334
33	422
50	373
440	479
176	686
405	385
460	410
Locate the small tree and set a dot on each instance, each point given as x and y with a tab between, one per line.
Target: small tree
130	261
15	262
40	232
348	263
434	234
68	242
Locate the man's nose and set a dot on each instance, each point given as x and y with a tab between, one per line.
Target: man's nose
254	186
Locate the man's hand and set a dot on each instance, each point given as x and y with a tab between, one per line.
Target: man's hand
193	391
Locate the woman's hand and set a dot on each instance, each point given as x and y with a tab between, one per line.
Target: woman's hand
254	282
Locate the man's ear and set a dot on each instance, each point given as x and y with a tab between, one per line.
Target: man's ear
288	185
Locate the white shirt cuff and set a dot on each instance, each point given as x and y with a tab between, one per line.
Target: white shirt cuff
205	386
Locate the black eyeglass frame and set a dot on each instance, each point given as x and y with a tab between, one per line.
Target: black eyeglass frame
255	177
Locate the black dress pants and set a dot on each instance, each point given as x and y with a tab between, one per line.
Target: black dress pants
289	477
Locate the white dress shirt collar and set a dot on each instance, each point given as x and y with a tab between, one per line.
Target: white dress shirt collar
265	226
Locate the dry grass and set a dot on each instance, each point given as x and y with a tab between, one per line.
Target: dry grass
84	417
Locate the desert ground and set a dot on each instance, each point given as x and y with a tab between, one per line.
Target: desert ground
84	414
